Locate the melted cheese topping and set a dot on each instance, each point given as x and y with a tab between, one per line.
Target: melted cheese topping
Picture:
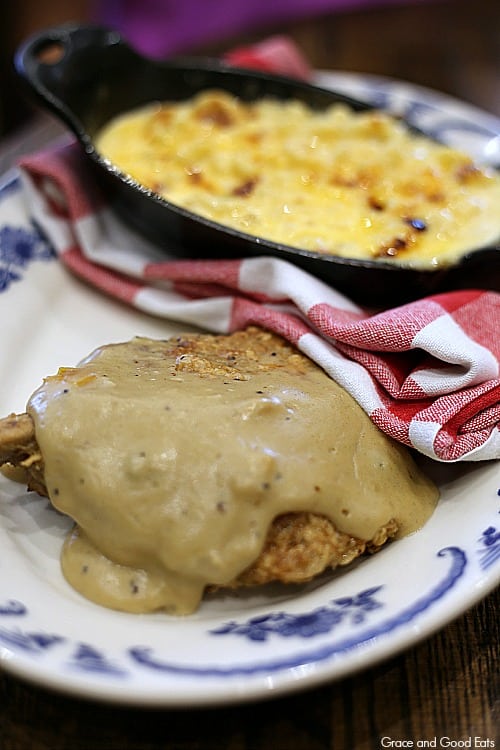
174	463
358	185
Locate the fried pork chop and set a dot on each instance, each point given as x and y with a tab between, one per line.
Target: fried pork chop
299	546
209	462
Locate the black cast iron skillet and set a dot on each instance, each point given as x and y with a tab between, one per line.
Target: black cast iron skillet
86	75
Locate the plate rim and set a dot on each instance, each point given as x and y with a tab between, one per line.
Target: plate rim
23	669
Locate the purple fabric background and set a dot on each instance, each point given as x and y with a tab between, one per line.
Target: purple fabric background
162	27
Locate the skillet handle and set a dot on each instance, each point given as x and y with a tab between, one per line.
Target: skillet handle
57	64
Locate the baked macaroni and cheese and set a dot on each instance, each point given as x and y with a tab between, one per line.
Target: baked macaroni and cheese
351	184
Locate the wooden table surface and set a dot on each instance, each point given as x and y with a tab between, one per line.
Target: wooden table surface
444	691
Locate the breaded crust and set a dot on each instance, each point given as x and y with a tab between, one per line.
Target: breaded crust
19	451
298	547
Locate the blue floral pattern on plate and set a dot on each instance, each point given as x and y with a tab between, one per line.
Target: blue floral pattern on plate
490	550
20	246
355	609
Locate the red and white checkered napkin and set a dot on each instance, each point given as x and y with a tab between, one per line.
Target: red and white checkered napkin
427	373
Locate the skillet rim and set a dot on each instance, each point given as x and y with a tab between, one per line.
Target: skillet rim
426	280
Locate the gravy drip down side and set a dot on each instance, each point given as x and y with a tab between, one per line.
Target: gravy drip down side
174	457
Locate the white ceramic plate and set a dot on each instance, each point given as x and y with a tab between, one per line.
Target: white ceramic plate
236	647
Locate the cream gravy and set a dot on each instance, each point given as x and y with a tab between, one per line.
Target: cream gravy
174	461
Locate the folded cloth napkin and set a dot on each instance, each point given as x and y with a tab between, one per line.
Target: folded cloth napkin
427	373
